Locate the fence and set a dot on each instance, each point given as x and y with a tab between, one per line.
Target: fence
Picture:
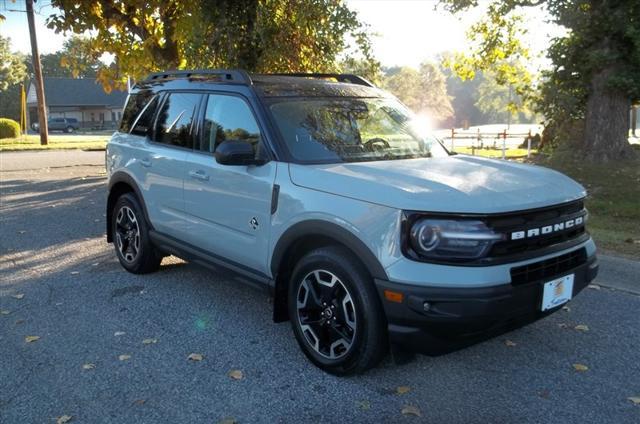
477	139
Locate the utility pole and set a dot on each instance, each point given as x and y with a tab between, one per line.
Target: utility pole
35	56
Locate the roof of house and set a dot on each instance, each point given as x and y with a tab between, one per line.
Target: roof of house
78	92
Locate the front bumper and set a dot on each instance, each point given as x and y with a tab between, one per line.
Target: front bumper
457	317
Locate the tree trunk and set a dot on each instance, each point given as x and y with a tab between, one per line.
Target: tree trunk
606	122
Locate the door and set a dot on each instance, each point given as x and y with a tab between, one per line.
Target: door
161	159
229	207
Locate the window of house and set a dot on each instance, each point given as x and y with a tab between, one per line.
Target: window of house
93	117
113	116
175	116
228	118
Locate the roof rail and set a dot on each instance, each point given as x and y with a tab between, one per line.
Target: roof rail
232	76
350	78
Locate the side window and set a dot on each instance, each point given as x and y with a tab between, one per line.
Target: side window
228	118
143	123
173	125
135	104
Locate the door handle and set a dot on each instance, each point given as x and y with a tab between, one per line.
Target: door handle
199	175
145	162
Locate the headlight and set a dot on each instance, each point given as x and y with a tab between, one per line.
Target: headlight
441	239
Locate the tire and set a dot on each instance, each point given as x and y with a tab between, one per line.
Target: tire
335	312
69	130
130	233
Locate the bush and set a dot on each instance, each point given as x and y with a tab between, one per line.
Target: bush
9	128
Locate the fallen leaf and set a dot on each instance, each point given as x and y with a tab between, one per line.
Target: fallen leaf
544	394
124	357
593	286
195	357
510	343
19	321
562	325
30	339
365	405
64	419
411	410
149	341
18	296
119	333
228	421
566	309
581	327
139	401
95	264
629	240
88	366
21	232
236	374
634	399
3	312
403	389
75	272
580	367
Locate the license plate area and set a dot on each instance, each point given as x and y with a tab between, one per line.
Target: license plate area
557	292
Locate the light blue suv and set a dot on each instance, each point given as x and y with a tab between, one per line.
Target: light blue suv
324	190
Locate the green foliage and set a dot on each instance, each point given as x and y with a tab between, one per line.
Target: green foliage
257	35
423	91
9	128
76	59
502	104
12	69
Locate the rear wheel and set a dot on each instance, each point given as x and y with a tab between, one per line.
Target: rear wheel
131	237
336	313
69	130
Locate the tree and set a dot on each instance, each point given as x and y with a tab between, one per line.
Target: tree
500	103
423	91
12	68
596	66
464	98
256	35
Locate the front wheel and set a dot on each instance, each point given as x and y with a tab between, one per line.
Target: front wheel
69	130
335	312
131	237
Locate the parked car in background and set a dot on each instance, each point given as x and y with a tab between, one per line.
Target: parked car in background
67	125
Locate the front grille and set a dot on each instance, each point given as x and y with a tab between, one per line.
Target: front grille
522	221
548	268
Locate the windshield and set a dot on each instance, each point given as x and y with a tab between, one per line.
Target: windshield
352	130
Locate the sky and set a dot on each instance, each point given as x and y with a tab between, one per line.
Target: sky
407	32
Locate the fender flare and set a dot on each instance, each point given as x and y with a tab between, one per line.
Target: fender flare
327	229
123	177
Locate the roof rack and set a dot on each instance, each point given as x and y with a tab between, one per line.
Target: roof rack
231	76
349	78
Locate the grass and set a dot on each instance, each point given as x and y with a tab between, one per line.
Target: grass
495	153
32	142
613	200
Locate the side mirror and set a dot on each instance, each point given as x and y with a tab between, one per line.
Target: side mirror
236	152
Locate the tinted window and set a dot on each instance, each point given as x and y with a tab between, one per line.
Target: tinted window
173	125
143	123
135	104
228	118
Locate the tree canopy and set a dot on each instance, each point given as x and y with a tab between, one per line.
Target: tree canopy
12	68
257	35
587	95
423	90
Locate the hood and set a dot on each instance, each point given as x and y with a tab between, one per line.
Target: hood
459	183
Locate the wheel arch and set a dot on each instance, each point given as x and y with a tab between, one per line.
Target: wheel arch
119	184
303	237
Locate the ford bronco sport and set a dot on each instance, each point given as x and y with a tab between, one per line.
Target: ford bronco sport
322	189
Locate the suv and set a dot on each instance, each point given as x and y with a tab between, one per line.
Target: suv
67	125
325	191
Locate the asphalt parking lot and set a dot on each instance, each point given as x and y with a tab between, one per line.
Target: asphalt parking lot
60	281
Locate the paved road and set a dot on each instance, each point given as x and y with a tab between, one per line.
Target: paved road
77	298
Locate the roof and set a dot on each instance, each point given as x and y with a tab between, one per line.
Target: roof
295	86
79	92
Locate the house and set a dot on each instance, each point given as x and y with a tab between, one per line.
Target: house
79	98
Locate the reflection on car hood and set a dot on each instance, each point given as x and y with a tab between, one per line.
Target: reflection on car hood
459	183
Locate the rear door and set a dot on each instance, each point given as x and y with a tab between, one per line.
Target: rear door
229	207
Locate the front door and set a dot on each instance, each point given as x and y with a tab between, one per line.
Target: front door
229	207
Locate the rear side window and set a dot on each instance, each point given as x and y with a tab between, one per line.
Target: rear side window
175	117
144	122
228	118
135	104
